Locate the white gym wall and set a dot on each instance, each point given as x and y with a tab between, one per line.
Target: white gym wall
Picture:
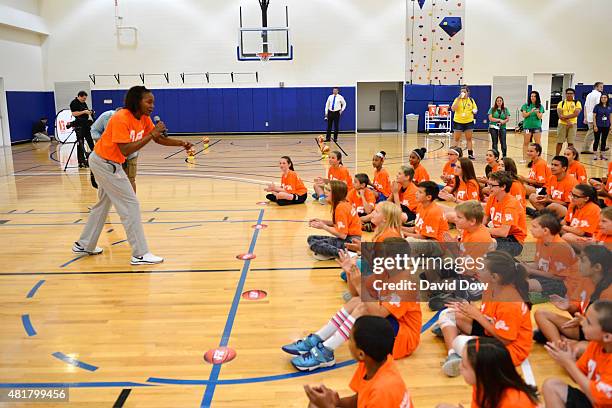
522	37
337	42
21	35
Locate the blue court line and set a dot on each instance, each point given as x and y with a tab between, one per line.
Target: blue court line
277	377
186	226
75	384
119	242
32	291
73	260
227	331
27	325
72	361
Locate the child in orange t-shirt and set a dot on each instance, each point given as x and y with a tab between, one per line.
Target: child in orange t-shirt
594	267
604	233
492	160
582	216
593	370
559	186
466	185
539	172
381	182
420	174
487	366
575	168
505	217
403	193
503	313
387	219
291	190
336	171
376	382
517	190
361	197
448	171
363	200
399	307
430	223
465	188
344	225
474	240
555	267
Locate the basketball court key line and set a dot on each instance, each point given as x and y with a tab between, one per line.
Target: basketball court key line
227	331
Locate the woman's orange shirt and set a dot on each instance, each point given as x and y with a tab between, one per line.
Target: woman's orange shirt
123	127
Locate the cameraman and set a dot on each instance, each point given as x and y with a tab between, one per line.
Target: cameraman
82	124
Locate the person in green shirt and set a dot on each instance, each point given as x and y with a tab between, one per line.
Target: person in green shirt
532	113
499	115
464	109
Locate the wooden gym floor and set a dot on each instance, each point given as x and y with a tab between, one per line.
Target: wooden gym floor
101	326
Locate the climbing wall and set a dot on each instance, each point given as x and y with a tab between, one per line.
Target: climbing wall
435	34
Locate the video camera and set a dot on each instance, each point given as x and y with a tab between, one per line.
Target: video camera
76	124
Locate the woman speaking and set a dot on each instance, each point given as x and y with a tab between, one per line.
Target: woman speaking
128	131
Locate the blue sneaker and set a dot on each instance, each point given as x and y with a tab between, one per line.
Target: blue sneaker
300	347
318	357
322	200
315	196
343	276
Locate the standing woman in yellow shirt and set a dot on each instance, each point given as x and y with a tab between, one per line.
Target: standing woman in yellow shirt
463	120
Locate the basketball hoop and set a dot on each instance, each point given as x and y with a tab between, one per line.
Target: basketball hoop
264	56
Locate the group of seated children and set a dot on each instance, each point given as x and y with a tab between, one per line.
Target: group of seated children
485	343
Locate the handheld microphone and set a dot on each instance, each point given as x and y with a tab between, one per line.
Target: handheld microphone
157	119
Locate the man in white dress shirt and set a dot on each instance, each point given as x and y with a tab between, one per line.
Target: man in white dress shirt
592	99
334	107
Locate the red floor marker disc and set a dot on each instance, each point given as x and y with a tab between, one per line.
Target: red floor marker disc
245	257
259	226
219	355
255	294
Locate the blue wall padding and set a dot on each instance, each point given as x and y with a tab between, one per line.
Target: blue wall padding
27	107
244	110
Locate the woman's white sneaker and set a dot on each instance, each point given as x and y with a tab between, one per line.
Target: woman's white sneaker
78	249
146	259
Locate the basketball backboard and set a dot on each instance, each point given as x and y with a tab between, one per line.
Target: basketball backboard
264	29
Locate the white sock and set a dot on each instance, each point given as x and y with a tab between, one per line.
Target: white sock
451	351
341	335
333	325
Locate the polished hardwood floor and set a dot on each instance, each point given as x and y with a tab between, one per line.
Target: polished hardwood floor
147	328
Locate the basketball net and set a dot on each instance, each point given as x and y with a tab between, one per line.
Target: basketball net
264	56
